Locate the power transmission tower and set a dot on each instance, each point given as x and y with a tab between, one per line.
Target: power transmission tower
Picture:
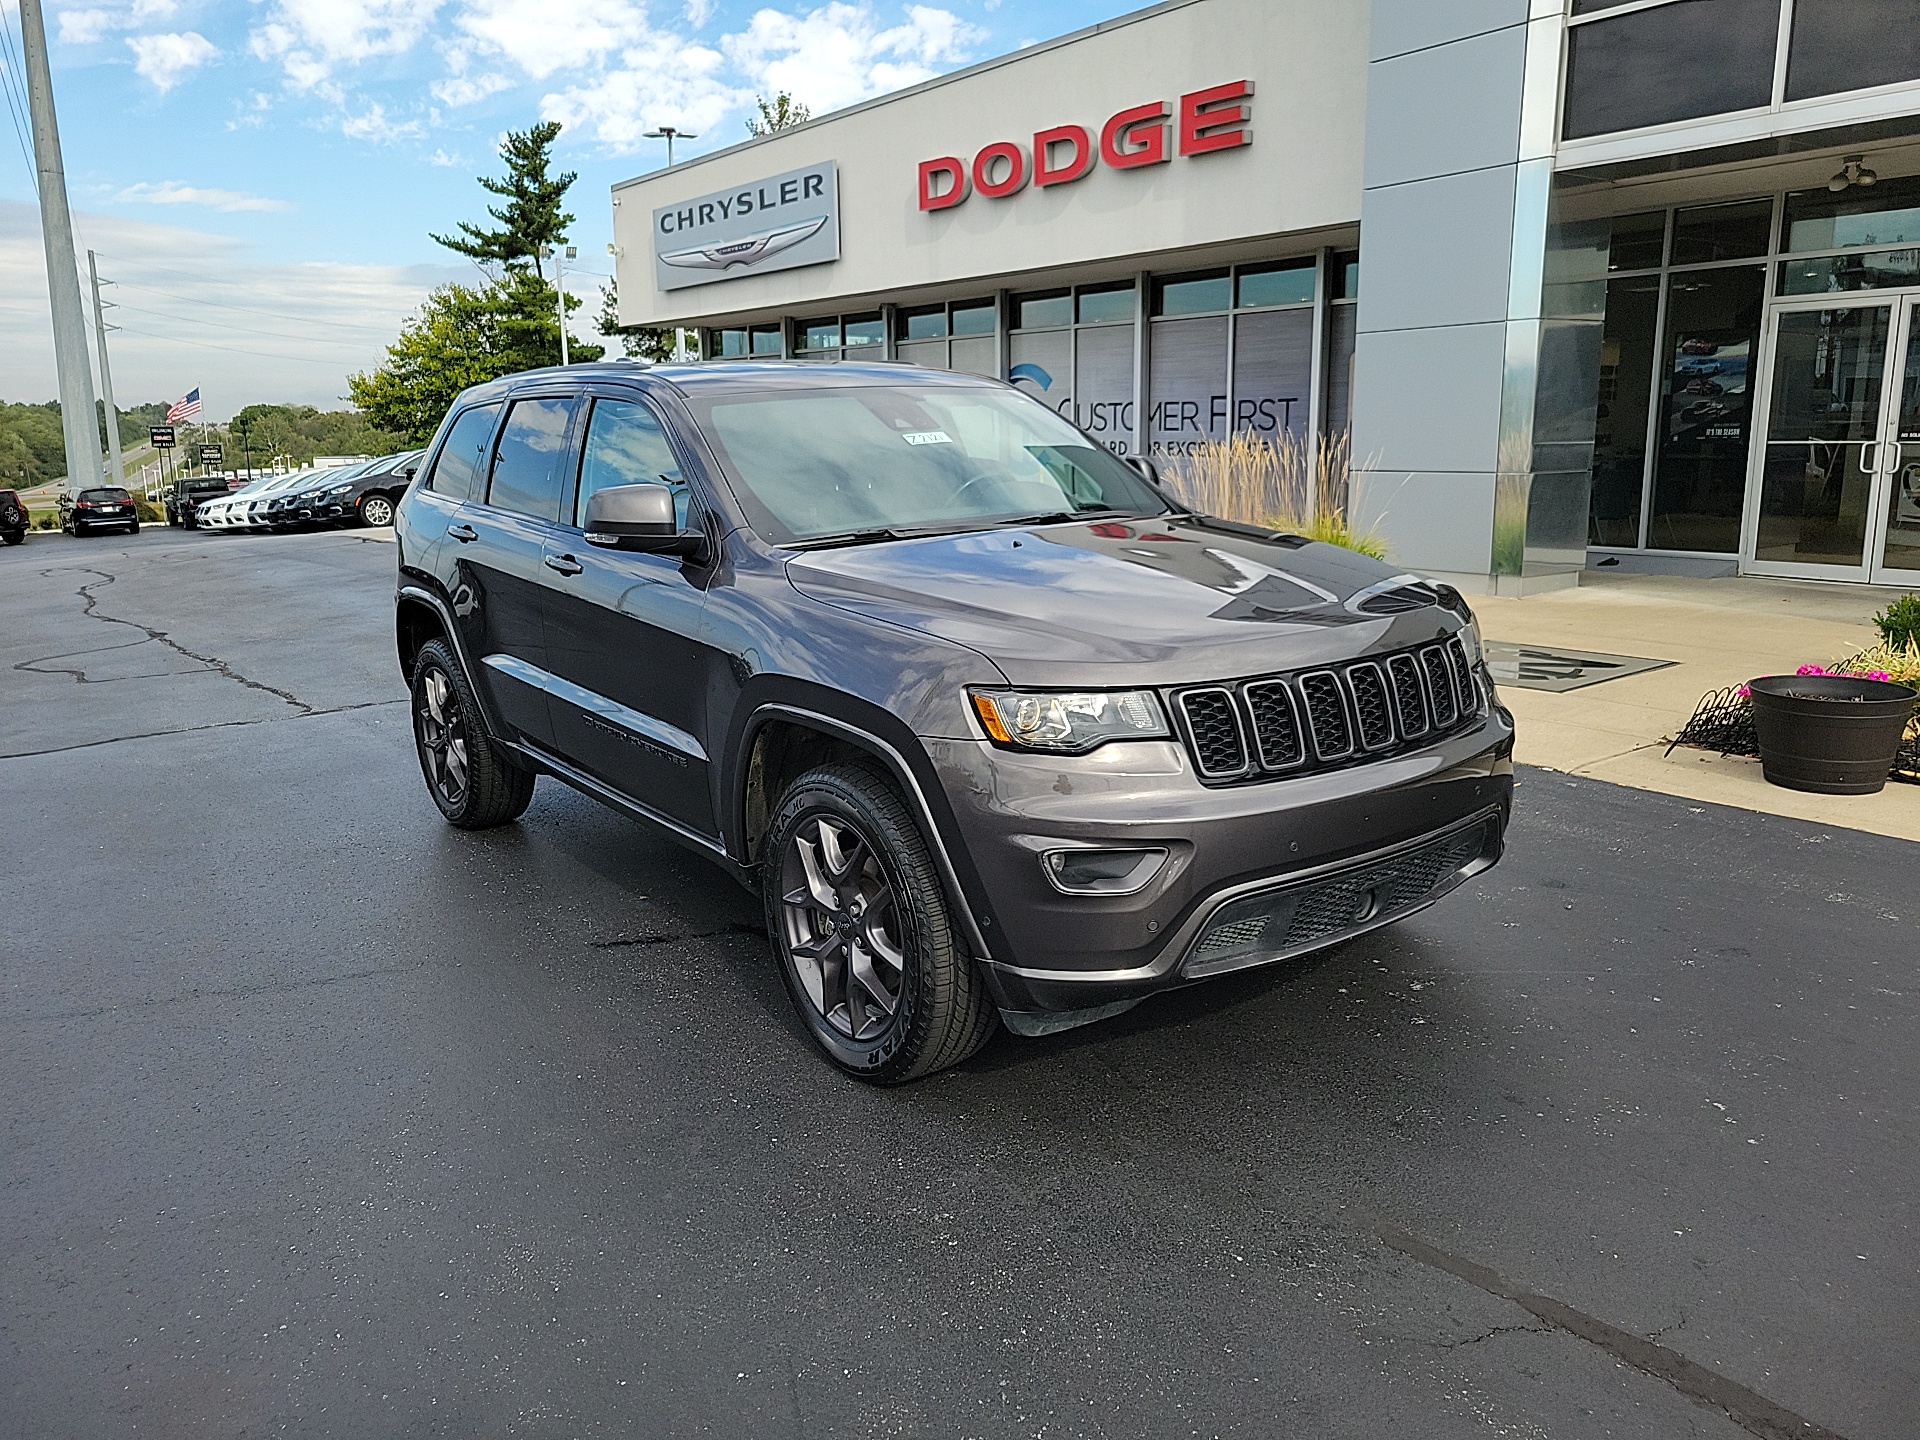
118	475
77	413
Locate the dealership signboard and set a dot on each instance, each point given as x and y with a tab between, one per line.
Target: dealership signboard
779	223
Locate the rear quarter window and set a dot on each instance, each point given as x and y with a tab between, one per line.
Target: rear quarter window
458	465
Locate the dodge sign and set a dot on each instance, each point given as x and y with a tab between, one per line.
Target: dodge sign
779	223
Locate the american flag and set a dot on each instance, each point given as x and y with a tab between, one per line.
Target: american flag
184	408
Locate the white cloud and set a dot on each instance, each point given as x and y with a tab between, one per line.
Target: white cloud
444	161
663	80
148	10
839	54
165	60
698	12
172	192
310	38
83	27
468	89
374	124
542	36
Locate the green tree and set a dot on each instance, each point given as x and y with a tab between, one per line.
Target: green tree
637	342
463	335
780	113
532	216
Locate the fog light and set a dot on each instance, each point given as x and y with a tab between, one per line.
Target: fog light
1103	872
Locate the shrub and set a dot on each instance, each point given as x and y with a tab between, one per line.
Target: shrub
1900	622
1285	484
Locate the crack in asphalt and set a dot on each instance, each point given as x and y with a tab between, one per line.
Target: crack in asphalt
1748	1409
1497	1330
622	944
229	992
44	665
308	714
212	662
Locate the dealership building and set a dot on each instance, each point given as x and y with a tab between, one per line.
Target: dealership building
1579	281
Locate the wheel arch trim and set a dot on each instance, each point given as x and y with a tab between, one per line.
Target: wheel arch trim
902	772
421	595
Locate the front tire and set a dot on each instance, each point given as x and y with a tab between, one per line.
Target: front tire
376	510
134	528
860	924
15	537
469	777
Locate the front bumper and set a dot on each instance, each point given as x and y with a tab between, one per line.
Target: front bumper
1314	859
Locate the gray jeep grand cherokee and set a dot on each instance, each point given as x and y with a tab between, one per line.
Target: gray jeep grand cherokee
998	730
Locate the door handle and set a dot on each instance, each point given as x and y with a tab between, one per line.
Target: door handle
462	533
565	564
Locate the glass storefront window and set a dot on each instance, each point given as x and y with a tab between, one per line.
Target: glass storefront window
817	335
1291	282
766	340
1187	368
1700	469
1639	242
1671	62
1042	312
973	317
1343	275
1834	274
1107	304
865	330
1193	294
726	344
1741	231
927	322
1851	45
1272	373
1884	214
1627	346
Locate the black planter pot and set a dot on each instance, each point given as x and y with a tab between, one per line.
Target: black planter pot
1832	734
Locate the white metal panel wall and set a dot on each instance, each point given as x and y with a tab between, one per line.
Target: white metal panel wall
1307	59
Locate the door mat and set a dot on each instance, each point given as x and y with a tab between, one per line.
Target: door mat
1548	667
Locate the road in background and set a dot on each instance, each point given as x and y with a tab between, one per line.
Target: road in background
325	1119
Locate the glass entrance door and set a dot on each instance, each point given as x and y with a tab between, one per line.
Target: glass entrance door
1836	493
1895	545
1820	458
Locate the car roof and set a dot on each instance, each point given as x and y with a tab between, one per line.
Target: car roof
712	377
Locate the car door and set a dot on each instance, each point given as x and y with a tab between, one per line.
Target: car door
503	565
623	631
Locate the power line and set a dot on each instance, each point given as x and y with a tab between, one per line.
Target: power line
203	345
226	325
243	309
14	70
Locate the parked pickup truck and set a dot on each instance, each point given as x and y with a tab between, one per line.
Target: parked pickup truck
188	494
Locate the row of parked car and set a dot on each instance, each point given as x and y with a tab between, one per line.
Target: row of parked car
362	494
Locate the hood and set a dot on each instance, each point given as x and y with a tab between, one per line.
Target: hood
1170	602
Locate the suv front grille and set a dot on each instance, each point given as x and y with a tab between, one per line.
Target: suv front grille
1259	729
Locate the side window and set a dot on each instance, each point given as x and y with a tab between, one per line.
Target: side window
526	469
627	446
458	465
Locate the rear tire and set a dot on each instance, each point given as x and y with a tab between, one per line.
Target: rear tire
469	777
861	927
376	510
134	528
15	537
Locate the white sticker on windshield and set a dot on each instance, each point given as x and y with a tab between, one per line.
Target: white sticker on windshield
927	437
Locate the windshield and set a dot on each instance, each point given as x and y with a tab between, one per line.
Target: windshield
848	461
105	492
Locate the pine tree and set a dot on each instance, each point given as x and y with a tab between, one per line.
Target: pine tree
532	216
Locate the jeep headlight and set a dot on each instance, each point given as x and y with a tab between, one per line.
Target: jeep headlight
1069	722
1469	634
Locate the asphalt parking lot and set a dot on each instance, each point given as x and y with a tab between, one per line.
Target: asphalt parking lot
325	1119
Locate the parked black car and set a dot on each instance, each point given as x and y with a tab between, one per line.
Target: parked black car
106	507
189	492
370	494
997	730
13	517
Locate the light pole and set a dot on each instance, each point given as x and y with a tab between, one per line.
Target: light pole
667	133
100	326
63	270
547	252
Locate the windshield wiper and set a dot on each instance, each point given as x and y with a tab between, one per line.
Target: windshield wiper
1057	517
869	537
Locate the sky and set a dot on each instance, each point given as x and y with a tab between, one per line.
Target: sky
259	177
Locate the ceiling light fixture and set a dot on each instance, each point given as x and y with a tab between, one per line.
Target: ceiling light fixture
1853	172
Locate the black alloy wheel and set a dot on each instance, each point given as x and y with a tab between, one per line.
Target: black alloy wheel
860	923
376	510
469	777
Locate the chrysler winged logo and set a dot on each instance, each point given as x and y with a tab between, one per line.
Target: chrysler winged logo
747	252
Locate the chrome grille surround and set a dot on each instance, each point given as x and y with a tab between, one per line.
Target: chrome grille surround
1275	725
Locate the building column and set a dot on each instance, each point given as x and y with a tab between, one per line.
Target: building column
1469	382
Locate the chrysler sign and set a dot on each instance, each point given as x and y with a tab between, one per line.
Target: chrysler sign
779	223
1203	122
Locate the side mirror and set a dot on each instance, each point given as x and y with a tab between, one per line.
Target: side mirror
407	472
1148	467
641	518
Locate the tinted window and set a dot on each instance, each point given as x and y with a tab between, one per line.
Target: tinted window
1192	294
1722	232
973	319
526	469
1108	304
1638	242
1289	283
626	446
105	492
1886	214
459	463
1673	62
1852	44
1036	311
